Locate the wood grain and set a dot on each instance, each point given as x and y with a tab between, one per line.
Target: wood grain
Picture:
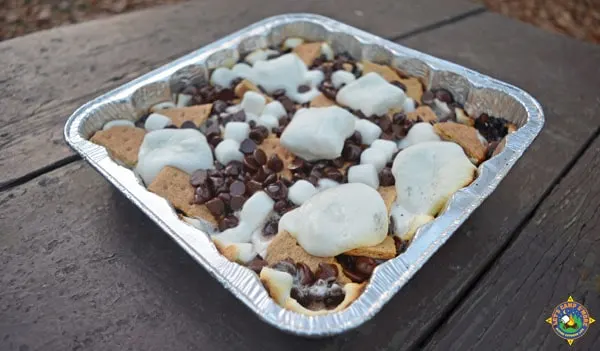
45	76
556	255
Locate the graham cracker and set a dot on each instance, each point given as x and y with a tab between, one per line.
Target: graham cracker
511	128
464	136
245	86
321	101
388	193
463	118
197	114
174	185
121	142
271	146
308	52
384	251
385	71
414	88
424	112
285	246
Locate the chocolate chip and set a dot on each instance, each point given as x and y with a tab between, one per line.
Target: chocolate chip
351	152
334	174
188	125
278	131
278	93
237	188
226	197
260	157
284	121
252	124
384	123
215	140
287	266
356	138
288	104
280	206
247	146
190	90
277	190
338	162
213	130
228	222
239	116
257	265
399	84
386	178
219	185
444	95
271	178
215	173
326	271
260	175
256	135
365	265
219	107
237	202
428	97
203	193
304	276
233	169
225	94
171	126
275	163
303	88
199	177
216	207
297	164
334	297
271	228
253	186
400	244
328	92
354	276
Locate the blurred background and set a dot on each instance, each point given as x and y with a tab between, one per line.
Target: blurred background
577	18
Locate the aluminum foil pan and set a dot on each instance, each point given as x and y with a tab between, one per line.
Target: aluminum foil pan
477	92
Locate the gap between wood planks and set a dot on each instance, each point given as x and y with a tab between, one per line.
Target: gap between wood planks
428	334
69	159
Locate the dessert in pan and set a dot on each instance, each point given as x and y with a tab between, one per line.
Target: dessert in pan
307	166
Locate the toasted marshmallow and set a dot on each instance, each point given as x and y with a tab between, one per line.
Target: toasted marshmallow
186	149
254	214
419	133
118	123
337	220
318	133
372	95
426	175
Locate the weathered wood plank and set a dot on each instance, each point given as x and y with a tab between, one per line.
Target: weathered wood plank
556	255
47	75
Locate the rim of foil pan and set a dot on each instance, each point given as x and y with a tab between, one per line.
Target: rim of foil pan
388	277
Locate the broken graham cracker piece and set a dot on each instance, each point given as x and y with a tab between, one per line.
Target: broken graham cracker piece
121	142
464	136
384	251
414	88
272	146
388	193
425	113
174	185
308	52
321	101
284	246
245	86
197	114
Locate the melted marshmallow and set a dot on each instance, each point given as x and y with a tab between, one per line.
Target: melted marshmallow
419	133
426	175
268	74
372	95
186	149
259	55
318	133
336	220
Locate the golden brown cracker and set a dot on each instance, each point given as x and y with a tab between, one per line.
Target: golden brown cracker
245	86
463	118
174	185
122	143
308	52
511	128
197	114
464	136
383	251
385	71
414	88
425	113
388	193
321	101
284	246
272	146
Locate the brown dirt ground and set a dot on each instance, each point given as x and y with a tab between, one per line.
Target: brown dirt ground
577	18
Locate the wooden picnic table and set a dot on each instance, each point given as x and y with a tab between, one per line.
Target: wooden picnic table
83	269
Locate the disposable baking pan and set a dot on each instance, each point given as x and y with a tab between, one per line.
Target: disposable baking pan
478	93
